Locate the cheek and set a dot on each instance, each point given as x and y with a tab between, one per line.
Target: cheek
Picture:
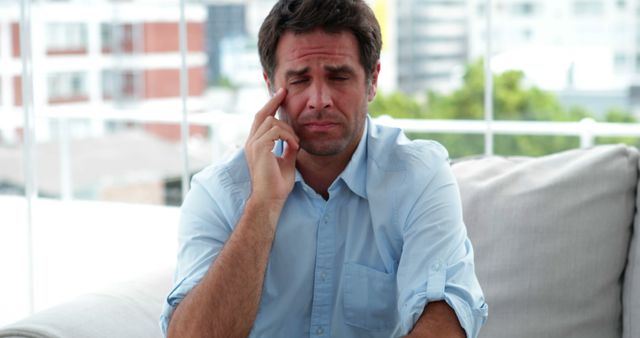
293	105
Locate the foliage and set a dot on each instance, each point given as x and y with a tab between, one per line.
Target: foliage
225	82
513	100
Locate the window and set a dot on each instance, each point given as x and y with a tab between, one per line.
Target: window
620	60
67	87
119	37
110	123
588	8
523	9
123	86
66	38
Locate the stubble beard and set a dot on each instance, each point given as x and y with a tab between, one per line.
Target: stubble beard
318	146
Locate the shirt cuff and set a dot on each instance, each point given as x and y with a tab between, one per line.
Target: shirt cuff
470	319
411	310
173	299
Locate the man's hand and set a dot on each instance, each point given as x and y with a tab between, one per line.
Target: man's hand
225	303
272	177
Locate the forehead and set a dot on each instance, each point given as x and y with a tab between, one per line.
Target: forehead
316	47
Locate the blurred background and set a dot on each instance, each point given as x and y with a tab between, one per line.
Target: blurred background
108	107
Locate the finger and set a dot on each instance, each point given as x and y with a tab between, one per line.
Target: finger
269	123
278	133
269	109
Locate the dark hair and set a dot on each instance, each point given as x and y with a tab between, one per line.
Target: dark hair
332	16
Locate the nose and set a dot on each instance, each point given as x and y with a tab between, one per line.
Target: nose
319	96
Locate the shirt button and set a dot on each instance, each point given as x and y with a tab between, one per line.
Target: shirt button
320	331
323	276
326	219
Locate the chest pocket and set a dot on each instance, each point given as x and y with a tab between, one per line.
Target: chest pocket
370	300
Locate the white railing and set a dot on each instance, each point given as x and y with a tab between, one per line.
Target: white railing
587	130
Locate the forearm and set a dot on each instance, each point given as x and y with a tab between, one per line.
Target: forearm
226	301
438	320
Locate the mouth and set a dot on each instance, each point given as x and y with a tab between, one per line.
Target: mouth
320	126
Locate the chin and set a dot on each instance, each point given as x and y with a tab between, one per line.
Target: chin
324	149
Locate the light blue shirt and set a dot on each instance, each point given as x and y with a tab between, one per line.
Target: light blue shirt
363	263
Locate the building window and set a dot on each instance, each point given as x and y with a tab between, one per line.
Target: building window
67	87
620	60
118	38
66	38
523	9
588	8
122	85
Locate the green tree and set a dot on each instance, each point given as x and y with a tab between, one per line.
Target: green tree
617	115
513	100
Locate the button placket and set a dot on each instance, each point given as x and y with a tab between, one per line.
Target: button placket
323	288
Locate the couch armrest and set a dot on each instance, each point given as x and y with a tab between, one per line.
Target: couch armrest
631	287
130	309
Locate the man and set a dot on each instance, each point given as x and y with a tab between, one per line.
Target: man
345	228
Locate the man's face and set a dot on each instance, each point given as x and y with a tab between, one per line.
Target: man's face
327	94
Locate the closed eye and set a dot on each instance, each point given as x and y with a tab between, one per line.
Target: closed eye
339	78
298	81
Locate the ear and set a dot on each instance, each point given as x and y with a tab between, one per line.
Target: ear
268	82
373	87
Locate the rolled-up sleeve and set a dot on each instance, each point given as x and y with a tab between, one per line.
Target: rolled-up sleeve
437	257
205	225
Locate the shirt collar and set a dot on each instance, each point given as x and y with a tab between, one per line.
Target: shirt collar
355	174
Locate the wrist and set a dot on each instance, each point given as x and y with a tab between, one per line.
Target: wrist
266	210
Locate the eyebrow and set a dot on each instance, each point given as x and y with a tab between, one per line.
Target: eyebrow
296	72
343	69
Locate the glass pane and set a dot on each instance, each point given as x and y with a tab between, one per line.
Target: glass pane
427	71
112	105
13	206
235	85
109	153
110	98
560	61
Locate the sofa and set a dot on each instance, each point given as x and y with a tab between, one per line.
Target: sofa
556	253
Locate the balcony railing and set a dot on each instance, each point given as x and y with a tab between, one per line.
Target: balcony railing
219	123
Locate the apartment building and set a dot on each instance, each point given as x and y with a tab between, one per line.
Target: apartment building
585	51
432	44
593	23
97	58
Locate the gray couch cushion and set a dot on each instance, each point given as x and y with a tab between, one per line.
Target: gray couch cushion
631	291
130	310
551	236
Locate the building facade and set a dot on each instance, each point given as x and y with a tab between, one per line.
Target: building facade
94	58
226	22
432	44
585	51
